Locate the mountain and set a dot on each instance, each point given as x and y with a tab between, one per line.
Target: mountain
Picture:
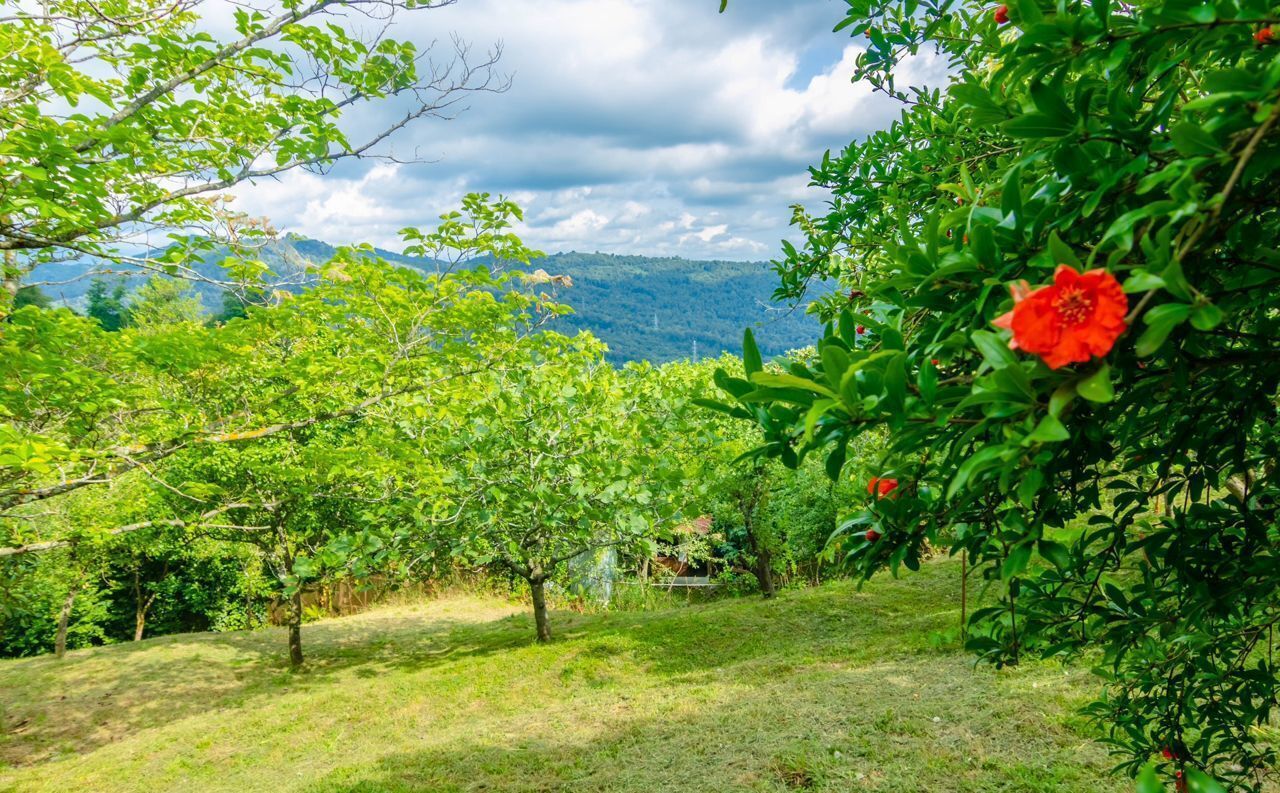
644	308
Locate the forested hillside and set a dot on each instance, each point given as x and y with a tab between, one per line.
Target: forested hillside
644	308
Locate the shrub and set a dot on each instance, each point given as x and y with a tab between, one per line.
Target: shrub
1059	296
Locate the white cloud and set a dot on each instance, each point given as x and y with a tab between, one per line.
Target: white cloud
632	126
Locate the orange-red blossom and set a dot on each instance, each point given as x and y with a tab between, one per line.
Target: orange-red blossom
1078	316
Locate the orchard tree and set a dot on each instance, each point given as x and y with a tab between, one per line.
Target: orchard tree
161	302
300	501
106	305
777	519
80	407
118	120
87	409
552	460
1059	281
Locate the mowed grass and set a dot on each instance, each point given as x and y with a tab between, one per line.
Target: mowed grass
828	689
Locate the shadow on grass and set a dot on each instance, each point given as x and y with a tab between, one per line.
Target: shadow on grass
917	724
95	697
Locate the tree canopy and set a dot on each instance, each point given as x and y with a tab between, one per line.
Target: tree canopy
1058	279
121	119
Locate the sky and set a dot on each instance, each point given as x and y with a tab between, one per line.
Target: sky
653	127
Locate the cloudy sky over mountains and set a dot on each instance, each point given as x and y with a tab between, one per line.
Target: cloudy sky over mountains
657	127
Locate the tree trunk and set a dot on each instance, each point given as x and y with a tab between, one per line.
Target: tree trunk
763	568
64	617
295	630
748	506
536	588
139	622
10	277
141	606
764	572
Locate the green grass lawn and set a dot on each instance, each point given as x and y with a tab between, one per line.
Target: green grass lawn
825	689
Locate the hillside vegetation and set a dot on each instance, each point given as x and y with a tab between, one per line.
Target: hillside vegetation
655	309
825	689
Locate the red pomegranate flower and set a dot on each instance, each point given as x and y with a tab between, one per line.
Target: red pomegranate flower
880	488
1264	36
1168	753
1001	15
872	535
861	329
1078	316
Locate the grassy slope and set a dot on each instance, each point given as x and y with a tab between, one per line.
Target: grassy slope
825	689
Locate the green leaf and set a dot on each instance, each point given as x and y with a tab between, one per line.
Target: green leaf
751	360
781	380
1191	140
1161	321
927	381
1206	316
848	328
1062	396
1038	125
1142	281
835	460
1200	782
1097	386
1062	253
835	362
1049	101
1030	485
1056	553
1015	562
1049	430
1149	781
816	412
986	456
994	349
895	384
1029	13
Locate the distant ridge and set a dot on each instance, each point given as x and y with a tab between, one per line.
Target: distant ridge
646	308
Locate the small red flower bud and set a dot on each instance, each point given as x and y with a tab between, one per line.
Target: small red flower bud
933	361
1001	15
881	487
872	535
1264	36
862	329
1168	753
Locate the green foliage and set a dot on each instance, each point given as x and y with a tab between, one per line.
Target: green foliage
1139	139
31	296
115	120
769	519
268	431
547	459
107	307
644	308
164	301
